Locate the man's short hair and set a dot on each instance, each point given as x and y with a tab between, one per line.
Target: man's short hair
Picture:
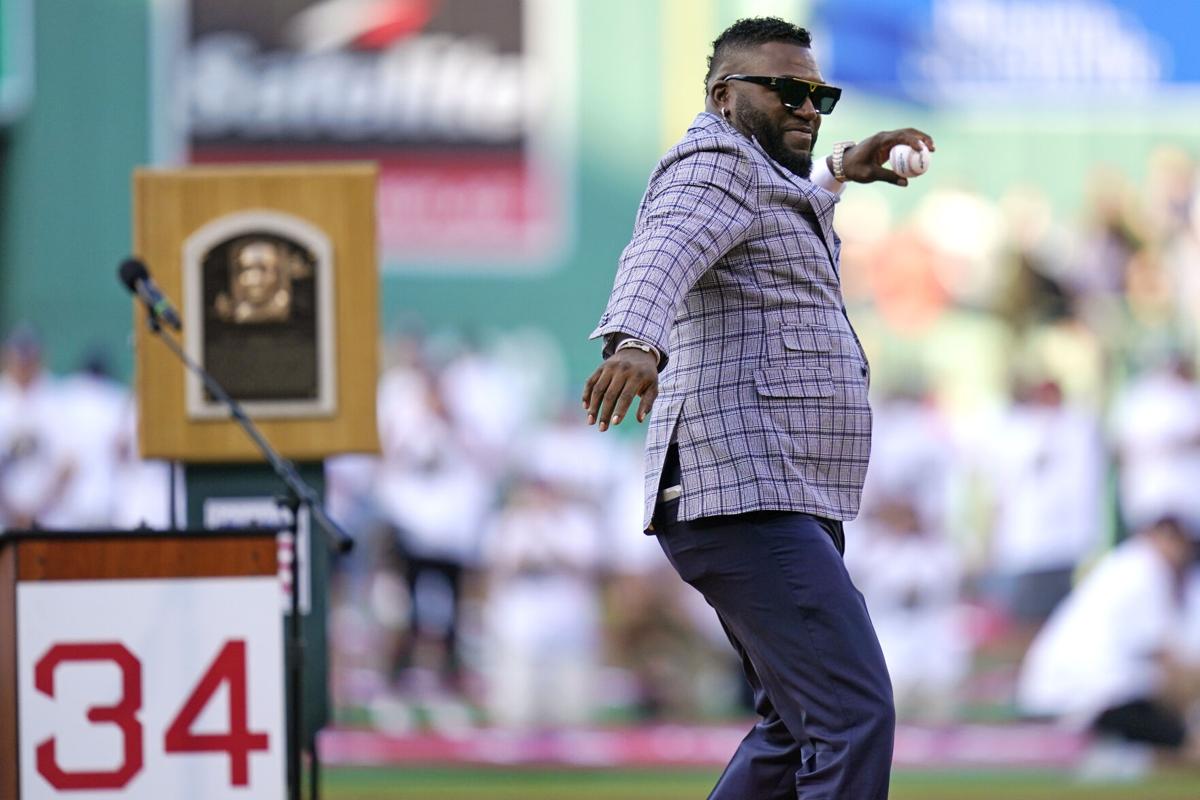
752	32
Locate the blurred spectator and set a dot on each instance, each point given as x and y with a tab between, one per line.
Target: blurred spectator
1112	236
1156	427
1111	657
484	399
433	497
901	559
658	629
495	395
911	576
1173	191
570	455
1192	613
1045	461
350	481
144	486
1035	267
912	438
94	407
1175	212
36	461
542	555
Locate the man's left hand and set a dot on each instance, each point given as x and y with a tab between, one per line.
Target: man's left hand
863	163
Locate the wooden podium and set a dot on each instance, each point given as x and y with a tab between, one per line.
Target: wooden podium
113	644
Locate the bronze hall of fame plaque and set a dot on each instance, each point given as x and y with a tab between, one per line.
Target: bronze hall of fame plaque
260	285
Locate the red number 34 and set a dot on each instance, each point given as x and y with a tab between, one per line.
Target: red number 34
229	667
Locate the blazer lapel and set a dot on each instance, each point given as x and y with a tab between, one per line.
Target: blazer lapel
823	203
820	202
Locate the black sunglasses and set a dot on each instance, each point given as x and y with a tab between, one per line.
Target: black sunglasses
793	91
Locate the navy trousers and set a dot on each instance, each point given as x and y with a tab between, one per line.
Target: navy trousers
821	688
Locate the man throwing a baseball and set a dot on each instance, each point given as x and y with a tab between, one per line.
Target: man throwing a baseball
727	319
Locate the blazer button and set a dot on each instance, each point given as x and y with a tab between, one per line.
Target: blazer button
864	372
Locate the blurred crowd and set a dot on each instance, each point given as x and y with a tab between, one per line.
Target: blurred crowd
68	447
1031	513
1027	544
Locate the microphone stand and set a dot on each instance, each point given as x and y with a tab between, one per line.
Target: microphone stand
299	496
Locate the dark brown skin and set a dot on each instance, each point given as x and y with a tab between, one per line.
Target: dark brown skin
624	375
753	110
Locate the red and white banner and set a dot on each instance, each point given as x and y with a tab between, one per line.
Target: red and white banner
151	689
466	105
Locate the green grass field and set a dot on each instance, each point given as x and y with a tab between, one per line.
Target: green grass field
667	784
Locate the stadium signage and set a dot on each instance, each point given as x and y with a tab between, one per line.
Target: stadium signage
1053	54
464	104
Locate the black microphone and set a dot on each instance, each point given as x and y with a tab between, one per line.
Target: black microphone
136	277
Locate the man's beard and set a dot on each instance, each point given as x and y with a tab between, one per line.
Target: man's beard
771	139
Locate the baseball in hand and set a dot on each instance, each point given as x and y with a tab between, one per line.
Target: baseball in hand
908	162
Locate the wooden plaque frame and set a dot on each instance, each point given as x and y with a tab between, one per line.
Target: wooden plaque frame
170	206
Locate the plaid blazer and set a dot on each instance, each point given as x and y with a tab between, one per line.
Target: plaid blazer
732	273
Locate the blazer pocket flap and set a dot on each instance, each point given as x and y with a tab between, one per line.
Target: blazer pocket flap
799	382
807	339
